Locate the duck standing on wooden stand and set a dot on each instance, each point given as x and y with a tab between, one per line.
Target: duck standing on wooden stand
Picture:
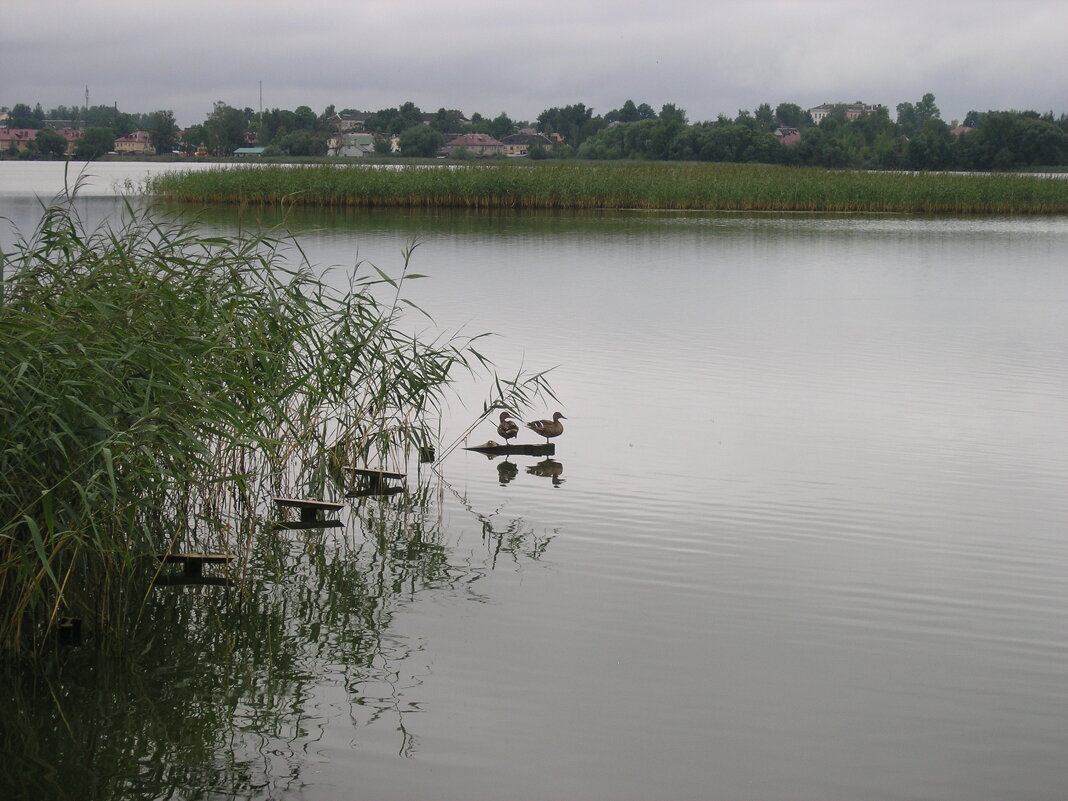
508	429
548	428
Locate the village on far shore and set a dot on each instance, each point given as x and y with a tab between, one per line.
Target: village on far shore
853	135
352	138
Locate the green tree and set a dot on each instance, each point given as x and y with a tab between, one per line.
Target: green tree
501	126
62	112
305	119
1007	139
50	145
22	116
410	115
94	143
226	128
274	124
575	123
791	115
193	137
124	124
820	148
395	120
670	112
302	143
110	117
628	112
765	117
421	140
448	121
912	117
930	147
1041	143
162	131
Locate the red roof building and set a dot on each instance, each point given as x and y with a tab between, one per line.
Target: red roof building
20	138
478	143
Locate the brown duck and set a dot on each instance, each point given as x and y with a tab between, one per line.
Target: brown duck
508	429
548	428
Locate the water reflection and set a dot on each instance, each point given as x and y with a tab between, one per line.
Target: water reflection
506	471
229	687
548	468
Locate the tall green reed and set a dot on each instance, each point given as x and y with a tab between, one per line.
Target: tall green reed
626	185
158	383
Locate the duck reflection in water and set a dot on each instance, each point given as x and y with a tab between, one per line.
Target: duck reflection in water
549	468
506	471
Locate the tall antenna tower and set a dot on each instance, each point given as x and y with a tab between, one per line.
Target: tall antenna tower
87	98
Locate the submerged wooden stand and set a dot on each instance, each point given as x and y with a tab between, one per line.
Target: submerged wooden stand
373	482
193	572
309	513
194	562
70	631
493	449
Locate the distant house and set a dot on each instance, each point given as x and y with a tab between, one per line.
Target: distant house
479	144
249	151
137	143
961	129
788	136
345	121
17	138
518	145
20	138
351	145
853	111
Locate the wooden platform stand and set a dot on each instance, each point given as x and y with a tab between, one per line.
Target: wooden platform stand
70	631
373	482
309	512
193	572
491	448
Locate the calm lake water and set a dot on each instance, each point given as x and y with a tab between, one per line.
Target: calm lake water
805	536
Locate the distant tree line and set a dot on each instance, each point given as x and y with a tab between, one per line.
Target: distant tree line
917	139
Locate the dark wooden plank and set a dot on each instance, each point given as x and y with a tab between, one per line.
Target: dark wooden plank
307	524
309	503
374	491
493	449
373	473
202	558
194	562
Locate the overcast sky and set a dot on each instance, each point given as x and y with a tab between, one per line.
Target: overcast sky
708	57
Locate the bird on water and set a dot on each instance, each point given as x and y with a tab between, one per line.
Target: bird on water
508	429
548	428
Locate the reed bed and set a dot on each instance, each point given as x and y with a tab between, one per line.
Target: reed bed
583	185
156	384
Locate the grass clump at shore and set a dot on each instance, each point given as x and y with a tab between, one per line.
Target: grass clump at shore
582	185
157	384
